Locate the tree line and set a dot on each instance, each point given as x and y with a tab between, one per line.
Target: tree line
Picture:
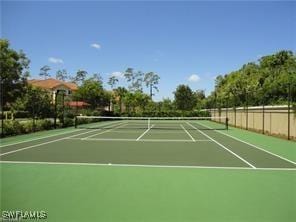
18	95
271	80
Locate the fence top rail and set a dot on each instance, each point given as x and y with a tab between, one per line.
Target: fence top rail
268	107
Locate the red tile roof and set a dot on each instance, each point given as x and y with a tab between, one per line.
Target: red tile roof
52	83
77	104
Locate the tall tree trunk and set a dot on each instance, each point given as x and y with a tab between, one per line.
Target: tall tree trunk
120	105
150	90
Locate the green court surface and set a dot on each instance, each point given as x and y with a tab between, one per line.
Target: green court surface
189	171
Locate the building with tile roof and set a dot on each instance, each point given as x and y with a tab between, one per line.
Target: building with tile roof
54	86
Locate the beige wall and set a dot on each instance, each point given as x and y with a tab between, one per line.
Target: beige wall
275	119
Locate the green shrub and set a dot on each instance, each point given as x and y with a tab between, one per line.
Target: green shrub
44	124
70	115
15	127
96	113
12	127
28	126
68	122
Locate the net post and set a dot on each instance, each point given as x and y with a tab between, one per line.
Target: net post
148	123
227	120
75	122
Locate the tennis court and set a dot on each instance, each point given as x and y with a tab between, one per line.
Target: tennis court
176	143
118	153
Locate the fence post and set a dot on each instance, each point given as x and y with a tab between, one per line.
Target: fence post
227	108
234	109
219	109
75	122
215	104
289	109
63	108
247	111
55	109
2	109
263	118
33	111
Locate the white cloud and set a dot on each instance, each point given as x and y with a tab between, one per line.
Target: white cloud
193	78
95	45
55	60
117	74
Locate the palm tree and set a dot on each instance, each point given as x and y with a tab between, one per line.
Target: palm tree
120	92
112	81
151	80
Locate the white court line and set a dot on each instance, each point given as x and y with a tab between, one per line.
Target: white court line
125	132
155	130
252	145
134	140
107	124
187	133
146	165
39	138
146	131
224	147
96	134
40	144
44	137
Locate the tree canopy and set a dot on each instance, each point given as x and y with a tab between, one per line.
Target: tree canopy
184	98
62	75
151	80
44	71
91	91
14	72
265	82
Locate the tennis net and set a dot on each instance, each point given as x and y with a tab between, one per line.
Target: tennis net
165	123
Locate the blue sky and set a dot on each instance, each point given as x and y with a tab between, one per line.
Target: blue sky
174	39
